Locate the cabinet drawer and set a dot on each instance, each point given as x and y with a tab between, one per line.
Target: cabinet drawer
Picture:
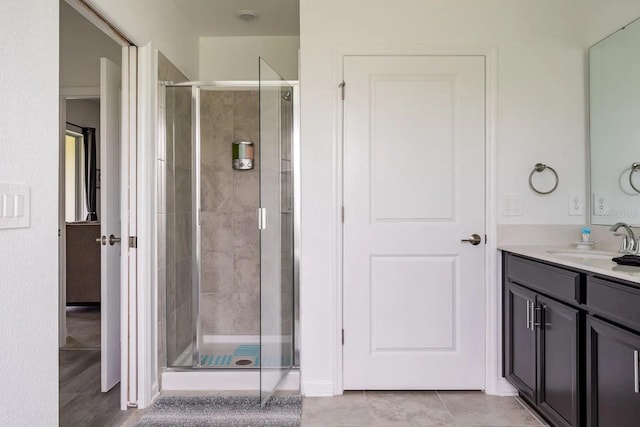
617	301
556	282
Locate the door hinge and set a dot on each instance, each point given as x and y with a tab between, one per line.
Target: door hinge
133	241
343	337
342	86
342	214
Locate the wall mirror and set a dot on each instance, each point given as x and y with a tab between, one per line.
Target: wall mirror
614	88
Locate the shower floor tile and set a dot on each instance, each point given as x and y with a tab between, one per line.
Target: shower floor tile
233	355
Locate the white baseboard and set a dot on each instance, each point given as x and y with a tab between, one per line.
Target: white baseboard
221	379
317	388
505	389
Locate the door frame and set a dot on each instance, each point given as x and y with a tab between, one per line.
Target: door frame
131	377
494	383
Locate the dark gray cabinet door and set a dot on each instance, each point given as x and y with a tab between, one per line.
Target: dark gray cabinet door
612	378
558	362
520	339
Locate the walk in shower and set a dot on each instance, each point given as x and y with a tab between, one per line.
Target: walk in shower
230	241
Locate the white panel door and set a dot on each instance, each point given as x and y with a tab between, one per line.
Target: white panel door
414	146
110	85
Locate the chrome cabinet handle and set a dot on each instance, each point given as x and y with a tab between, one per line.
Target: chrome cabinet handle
113	240
474	240
532	316
102	240
528	315
636	386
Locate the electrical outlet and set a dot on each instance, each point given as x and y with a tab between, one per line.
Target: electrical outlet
576	204
600	205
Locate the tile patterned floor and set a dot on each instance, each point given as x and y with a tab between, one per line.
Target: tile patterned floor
416	408
404	409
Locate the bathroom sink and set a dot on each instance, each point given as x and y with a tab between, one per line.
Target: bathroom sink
582	254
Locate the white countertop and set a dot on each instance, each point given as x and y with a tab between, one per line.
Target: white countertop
605	267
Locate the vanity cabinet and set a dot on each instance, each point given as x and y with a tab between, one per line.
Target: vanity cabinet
612	375
520	340
571	343
613	346
542	324
559	361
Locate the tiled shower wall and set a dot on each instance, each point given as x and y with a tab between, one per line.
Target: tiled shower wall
175	213
230	284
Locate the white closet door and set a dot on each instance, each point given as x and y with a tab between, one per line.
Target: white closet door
414	145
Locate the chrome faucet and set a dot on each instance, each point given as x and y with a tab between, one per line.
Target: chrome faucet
629	243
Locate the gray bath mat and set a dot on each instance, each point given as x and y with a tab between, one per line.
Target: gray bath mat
227	411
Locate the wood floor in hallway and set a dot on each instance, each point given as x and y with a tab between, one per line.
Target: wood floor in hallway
81	401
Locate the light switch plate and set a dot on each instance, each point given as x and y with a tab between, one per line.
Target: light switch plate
14	205
512	205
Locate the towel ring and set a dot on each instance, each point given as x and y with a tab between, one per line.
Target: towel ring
634	168
539	167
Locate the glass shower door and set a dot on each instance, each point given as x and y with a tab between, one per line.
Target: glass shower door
178	212
276	230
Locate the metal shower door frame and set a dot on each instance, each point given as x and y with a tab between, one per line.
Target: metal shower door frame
196	205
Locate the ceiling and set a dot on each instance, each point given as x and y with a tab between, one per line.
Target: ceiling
218	17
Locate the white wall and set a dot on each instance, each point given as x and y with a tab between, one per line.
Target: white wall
81	46
541	115
29	256
236	58
143	21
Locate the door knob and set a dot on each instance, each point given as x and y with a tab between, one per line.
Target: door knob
113	240
474	240
102	240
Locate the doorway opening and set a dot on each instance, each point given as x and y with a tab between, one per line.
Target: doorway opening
91	94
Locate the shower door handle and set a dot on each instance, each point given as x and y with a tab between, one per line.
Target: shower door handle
262	218
113	240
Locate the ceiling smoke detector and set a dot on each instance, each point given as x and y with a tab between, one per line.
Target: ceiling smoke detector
247	15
